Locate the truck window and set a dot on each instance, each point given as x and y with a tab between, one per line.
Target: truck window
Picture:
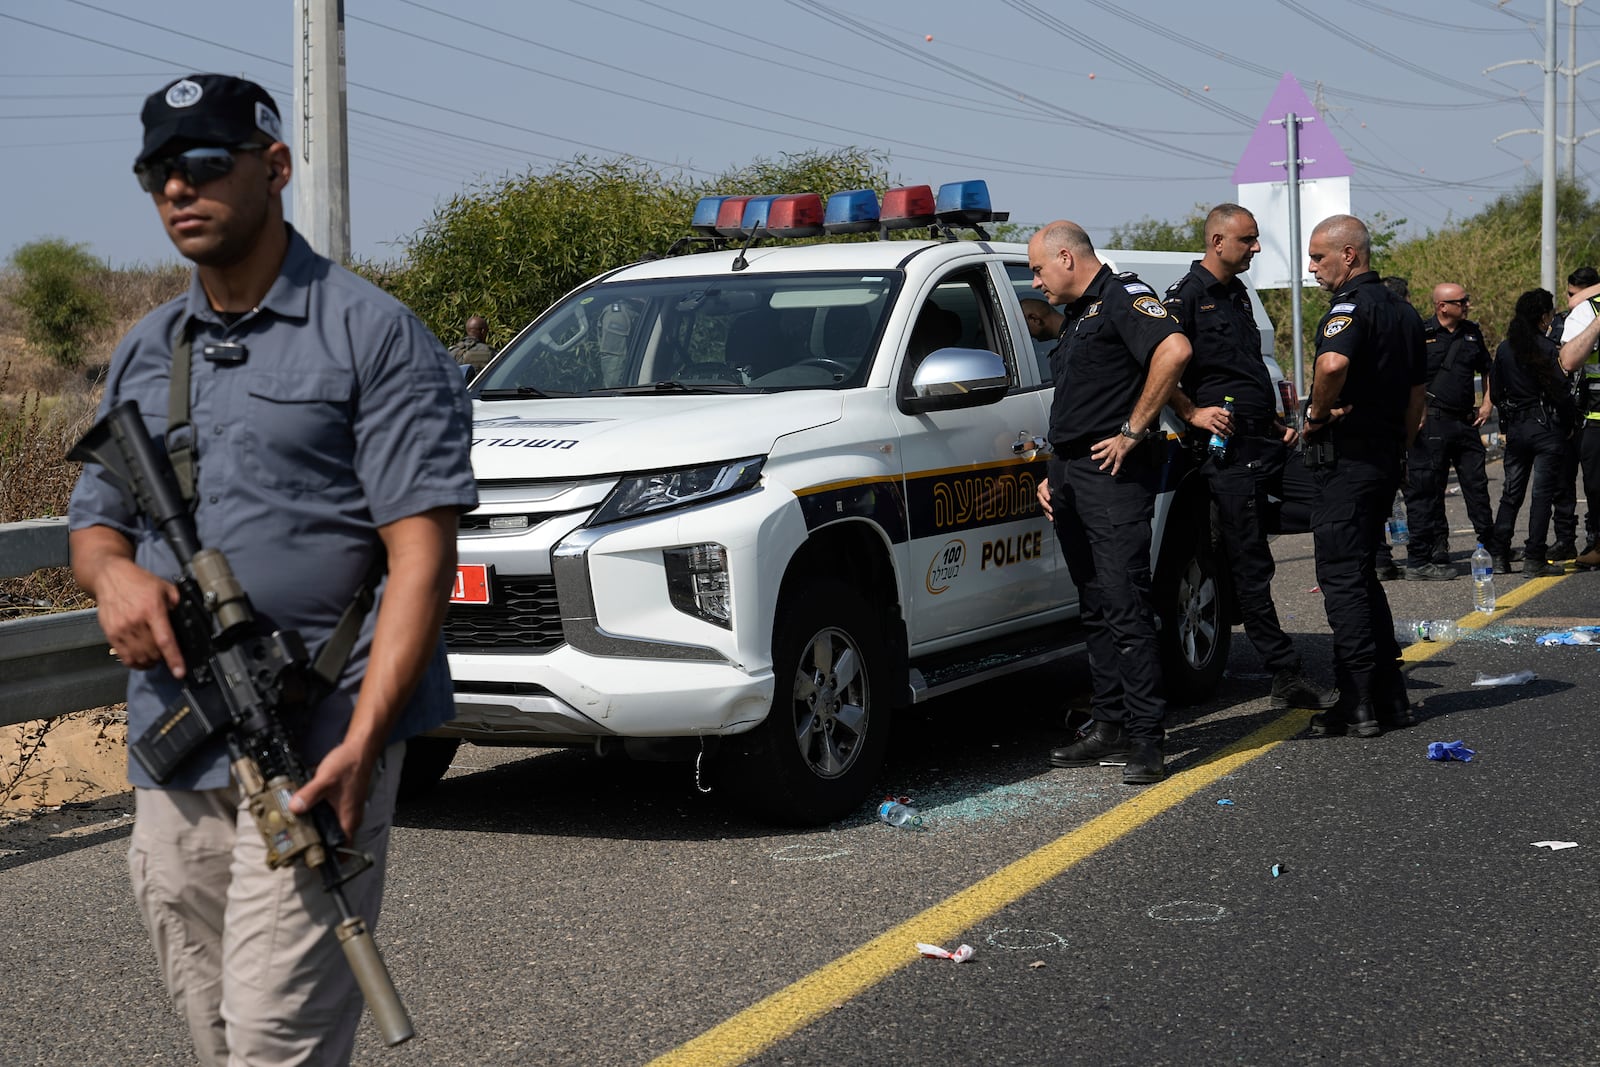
762	332
1022	288
959	313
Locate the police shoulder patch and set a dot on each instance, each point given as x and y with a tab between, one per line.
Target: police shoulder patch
1336	325
1149	305
1342	309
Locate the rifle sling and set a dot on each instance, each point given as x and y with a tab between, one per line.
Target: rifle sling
331	660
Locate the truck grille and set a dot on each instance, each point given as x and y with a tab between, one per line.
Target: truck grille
523	618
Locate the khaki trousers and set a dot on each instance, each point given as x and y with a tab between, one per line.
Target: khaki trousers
248	954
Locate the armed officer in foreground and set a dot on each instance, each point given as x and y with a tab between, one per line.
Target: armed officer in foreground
1213	307
1364	411
316	427
1117	360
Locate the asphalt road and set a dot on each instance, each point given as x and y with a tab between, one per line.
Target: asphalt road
546	907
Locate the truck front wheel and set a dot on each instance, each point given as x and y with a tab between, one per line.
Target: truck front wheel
1192	597
823	742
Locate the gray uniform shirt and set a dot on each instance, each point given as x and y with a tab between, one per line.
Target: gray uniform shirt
344	415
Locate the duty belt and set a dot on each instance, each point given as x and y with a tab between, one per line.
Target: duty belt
1255	427
1464	414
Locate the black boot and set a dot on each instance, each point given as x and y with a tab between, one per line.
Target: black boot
1292	689
1392	703
1145	765
1102	740
1359	719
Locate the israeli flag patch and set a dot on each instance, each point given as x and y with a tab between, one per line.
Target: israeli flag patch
1135	288
1341	309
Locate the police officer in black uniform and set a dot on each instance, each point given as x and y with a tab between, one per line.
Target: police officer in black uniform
1565	514
1364	409
1118	358
1580	357
1536	419
1456	355
1388	571
1213	307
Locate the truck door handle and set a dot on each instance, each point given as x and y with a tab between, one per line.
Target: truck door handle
1030	446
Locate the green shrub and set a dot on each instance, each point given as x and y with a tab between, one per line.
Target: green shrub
509	250
60	301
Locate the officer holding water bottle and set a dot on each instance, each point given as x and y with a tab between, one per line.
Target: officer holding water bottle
1226	396
1364	410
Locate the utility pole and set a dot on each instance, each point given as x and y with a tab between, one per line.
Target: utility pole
1569	170
1547	228
1291	131
322	166
1547	225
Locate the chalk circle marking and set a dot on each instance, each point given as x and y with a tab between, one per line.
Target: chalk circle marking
808	853
1008	938
1188	911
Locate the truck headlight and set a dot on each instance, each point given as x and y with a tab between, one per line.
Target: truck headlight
697	582
640	494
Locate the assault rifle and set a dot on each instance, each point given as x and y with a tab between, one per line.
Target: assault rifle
240	682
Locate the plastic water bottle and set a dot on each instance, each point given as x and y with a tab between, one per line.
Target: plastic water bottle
1399	532
1426	630
898	813
1219	443
1482	580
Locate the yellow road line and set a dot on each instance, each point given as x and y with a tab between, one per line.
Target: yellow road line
786	1011
768	1021
1477	620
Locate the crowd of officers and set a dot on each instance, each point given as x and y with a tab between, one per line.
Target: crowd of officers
1392	406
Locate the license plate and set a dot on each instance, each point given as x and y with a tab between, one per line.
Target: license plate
472	584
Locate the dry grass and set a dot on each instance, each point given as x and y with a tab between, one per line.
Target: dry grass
45	408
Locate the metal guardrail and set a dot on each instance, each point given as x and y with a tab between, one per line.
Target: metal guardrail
50	665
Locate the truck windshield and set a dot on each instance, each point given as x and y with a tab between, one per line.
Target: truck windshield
717	333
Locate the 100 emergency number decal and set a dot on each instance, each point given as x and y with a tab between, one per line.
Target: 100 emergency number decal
946	566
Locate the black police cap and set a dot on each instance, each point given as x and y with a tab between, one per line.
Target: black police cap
208	109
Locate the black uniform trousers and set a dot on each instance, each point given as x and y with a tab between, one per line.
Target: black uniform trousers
1564	509
1589	457
1239	482
1356	495
1534	446
1103	524
1446	440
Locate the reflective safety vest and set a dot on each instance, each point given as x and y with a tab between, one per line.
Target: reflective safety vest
1589	398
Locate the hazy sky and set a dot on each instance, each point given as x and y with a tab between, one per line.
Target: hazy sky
1099	111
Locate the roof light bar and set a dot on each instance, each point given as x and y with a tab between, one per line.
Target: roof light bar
965	203
705	215
908	206
730	213
855	211
796	215
755	215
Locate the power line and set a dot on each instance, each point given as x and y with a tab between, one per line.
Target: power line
1000	88
1373	5
1150	74
1399	61
987	159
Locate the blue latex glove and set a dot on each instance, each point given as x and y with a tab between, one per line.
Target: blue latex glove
1450	750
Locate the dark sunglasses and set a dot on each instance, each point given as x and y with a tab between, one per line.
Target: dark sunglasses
196	166
1463	301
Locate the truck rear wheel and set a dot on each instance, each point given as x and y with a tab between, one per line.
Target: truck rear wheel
823	742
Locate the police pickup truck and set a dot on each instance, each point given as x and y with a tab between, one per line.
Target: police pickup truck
751	504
